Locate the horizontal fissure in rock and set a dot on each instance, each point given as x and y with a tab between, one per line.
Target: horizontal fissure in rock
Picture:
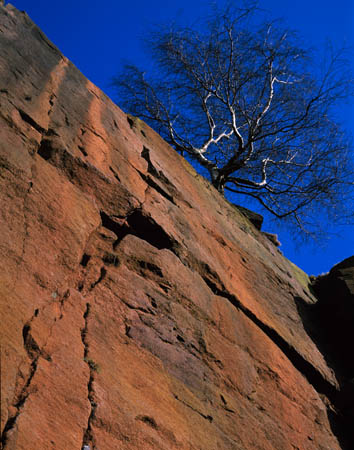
148	420
205	416
153	268
157	188
139	225
26	118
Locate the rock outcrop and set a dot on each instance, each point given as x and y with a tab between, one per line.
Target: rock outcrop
335	311
140	310
333	317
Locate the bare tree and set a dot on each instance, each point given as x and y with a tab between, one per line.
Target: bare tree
250	105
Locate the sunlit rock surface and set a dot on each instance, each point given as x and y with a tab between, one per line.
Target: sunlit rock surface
139	309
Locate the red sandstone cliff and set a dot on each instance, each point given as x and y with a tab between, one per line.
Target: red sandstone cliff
139	309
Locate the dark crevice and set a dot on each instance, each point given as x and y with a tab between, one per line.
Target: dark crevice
127	330
34	353
85	259
51	132
153	303
75	168
139	225
224	404
29	343
84	330
46	149
148	420
9	425
111	259
152	170
116	176
118	226
207	417
21	400
88	438
82	150
166	287
25	393
101	277
145	227
157	188
51	104
137	308
88	435
150	182
62	301
26	118
150	267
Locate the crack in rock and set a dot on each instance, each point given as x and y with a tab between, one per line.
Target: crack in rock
207	417
103	273
34	352
140	225
148	420
26	118
150	182
88	438
25	225
19	404
152	170
51	103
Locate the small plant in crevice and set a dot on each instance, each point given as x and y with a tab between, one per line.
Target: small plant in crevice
92	364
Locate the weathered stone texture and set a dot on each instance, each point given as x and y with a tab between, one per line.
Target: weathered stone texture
140	310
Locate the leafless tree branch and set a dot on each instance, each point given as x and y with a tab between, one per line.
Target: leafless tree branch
249	105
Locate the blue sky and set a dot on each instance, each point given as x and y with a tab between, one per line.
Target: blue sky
98	37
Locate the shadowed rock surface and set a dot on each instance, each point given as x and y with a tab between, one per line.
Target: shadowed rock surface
140	310
335	311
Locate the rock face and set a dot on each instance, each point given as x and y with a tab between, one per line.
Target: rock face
140	310
333	316
335	310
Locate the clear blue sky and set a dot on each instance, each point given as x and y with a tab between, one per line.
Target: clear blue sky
98	36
